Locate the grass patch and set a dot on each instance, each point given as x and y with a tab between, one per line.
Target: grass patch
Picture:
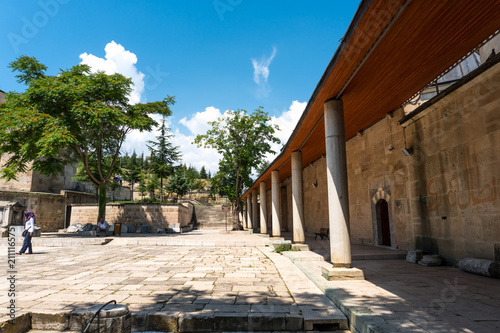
283	248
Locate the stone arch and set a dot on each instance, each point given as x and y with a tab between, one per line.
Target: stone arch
383	228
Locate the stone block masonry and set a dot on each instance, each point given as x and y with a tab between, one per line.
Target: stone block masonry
49	208
443	199
156	215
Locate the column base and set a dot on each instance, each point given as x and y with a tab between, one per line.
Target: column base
337	273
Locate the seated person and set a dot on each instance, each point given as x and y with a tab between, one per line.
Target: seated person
102	226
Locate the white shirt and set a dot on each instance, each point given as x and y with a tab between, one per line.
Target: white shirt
30	225
102	225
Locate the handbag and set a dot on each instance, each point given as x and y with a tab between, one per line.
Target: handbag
25	232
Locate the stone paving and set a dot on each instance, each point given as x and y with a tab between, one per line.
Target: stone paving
237	276
245	281
397	296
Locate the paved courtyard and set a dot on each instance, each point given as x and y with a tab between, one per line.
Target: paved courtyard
238	277
245	279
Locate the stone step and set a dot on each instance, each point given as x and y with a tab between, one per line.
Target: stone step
221	226
303	256
43	331
384	256
51	331
311	319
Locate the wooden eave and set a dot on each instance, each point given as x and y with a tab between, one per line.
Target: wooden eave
392	49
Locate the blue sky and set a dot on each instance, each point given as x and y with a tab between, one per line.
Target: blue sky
212	55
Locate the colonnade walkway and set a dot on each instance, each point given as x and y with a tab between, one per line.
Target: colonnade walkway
235	282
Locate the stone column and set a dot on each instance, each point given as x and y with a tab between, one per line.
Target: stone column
297	199
336	174
249	211
255	209
263	208
275	193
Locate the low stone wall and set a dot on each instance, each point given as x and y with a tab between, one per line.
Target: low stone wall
49	209
157	215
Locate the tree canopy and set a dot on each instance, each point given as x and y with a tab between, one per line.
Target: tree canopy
178	183
163	155
76	115
242	139
203	172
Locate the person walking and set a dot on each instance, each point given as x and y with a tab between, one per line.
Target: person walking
29	228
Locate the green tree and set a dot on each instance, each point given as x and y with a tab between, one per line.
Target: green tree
263	167
131	162
113	186
243	140
178	183
142	189
203	173
73	116
163	155
133	177
82	176
152	185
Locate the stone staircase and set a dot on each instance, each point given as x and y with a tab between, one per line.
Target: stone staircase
213	218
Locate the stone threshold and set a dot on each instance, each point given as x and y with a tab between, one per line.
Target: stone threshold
174	321
360	319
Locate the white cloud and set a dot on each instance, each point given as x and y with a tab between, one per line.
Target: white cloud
198	124
118	60
286	123
261	72
137	141
197	157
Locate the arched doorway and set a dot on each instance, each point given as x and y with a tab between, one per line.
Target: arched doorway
383	223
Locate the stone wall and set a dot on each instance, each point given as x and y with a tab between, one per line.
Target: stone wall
54	184
33	181
454	174
185	214
315	194
269	207
445	198
49	209
23	182
157	215
377	169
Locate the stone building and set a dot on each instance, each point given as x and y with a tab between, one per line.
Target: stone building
390	153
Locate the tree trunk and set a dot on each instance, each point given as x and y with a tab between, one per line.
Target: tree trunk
236	219
102	200
161	189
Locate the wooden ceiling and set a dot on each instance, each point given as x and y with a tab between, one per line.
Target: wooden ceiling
392	49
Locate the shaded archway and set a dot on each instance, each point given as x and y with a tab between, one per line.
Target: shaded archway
383	224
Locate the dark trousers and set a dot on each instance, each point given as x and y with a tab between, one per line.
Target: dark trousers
26	244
